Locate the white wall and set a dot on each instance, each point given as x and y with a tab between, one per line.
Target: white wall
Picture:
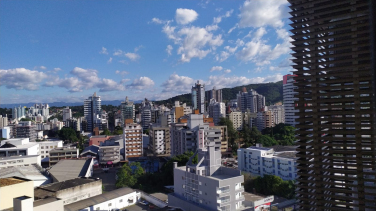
116	203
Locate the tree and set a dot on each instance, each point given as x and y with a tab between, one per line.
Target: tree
105	132
284	134
266	141
270	185
25	119
125	177
232	133
67	133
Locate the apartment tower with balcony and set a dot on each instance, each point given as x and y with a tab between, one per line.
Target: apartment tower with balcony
334	52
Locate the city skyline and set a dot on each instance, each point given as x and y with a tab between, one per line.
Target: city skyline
64	52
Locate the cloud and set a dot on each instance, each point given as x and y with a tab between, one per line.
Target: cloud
284	65
121	72
118	53
195	40
176	84
103	51
216	68
227	71
157	21
169	49
132	56
259	52
109	61
83	79
229	82
233	28
21	78
263	13
141	83
185	16
225	54
138	48
218	19
56	69
42	67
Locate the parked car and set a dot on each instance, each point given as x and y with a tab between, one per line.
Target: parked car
144	203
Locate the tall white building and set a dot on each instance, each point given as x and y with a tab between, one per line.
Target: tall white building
198	97
128	110
207	185
278	113
217	110
92	112
67	113
289	101
266	161
19	152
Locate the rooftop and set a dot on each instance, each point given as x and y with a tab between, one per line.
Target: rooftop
98	199
92	148
260	148
23	146
69	169
29	172
64	149
49	190
11	181
280	148
286	155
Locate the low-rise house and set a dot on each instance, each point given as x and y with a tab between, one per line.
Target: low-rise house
62	153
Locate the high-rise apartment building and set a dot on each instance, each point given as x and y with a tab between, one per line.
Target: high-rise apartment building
133	140
289	99
198	97
128	110
236	117
159	140
250	100
67	113
217	110
335	62
214	94
25	130
92	112
146	109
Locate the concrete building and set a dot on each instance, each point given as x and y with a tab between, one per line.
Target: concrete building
6	132
3	121
223	137
58	154
289	99
93	113
25	130
207	185
159	140
146	110
97	140
266	161
91	152
236	117
67	113
71	169
278	113
198	97
73	123
215	94
19	152
46	146
191	135
109	153
217	110
113	200
70	191
133	140
265	119
128	110
334	51
42	126
250	100
14	187
56	125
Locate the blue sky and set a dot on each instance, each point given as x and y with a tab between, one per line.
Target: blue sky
67	50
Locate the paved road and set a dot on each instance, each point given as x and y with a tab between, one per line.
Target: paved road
108	179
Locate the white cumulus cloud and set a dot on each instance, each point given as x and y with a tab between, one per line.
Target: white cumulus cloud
103	51
169	49
141	83
132	56
185	16
109	60
21	78
216	68
255	13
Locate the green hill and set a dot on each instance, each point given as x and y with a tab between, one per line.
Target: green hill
273	93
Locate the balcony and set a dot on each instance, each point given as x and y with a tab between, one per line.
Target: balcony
223	191
240	189
221	202
241	198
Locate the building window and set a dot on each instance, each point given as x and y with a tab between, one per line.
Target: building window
42	147
51	147
121	200
98	208
110	204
